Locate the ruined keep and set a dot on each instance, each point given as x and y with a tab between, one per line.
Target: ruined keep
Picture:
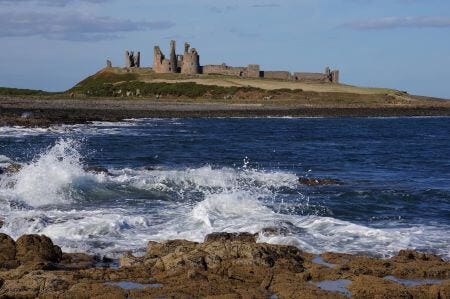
132	59
189	64
163	65
190	61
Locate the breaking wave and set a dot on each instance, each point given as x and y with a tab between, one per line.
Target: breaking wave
124	208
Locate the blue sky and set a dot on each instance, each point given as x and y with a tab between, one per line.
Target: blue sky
403	44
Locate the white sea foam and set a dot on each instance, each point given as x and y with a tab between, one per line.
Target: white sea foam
50	196
51	178
129	127
20	132
4	161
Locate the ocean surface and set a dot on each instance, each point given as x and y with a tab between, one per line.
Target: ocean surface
185	178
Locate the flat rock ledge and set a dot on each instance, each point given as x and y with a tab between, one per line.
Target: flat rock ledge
225	265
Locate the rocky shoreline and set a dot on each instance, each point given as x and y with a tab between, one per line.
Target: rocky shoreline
42	112
223	266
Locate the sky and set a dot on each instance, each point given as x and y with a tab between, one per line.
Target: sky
402	44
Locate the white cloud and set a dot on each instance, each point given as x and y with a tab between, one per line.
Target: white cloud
71	26
49	2
400	22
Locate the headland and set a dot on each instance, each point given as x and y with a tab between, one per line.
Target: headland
178	86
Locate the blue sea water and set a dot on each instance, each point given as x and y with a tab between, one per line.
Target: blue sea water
185	178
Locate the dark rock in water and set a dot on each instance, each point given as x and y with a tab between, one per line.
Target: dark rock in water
1	223
35	248
11	169
7	249
27	114
274	231
105	262
97	170
77	261
319	181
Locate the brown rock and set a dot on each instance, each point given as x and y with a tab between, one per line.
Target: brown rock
7	248
12	169
412	264
155	249
129	260
35	248
77	261
95	290
373	287
7	252
230	237
23	288
97	170
411	255
440	291
319	181
227	266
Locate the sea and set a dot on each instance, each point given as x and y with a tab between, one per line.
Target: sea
185	178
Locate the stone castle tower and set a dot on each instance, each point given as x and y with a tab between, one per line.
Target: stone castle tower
188	63
132	59
191	61
173	57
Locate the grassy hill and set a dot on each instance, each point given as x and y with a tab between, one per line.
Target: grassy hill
7	91
147	75
144	83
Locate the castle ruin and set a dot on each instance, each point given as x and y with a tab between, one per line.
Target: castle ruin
132	59
189	63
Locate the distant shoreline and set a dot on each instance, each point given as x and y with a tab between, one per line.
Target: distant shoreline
45	112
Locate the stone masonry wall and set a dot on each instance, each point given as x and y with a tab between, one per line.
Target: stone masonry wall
191	61
251	71
309	77
223	70
282	75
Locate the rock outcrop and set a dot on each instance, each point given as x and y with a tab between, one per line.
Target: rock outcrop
11	169
225	265
35	248
7	252
319	181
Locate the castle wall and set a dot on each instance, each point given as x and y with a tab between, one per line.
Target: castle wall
281	75
310	77
166	66
223	70
161	64
173	67
158	58
132	59
252	71
335	76
191	63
